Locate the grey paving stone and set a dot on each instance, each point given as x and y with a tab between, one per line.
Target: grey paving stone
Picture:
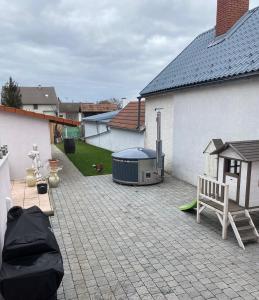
126	242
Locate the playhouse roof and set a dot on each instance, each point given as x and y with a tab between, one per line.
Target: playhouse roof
210	59
247	150
218	143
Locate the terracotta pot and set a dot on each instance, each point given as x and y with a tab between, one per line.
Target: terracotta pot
53	164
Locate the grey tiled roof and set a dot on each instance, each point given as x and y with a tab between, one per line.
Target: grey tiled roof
69	107
38	95
209	59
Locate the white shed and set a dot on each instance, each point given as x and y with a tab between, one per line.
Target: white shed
19	130
238	167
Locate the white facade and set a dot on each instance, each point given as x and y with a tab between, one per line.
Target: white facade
112	139
193	116
5	192
167	112
46	109
20	133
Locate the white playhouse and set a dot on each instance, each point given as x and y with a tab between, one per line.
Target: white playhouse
235	192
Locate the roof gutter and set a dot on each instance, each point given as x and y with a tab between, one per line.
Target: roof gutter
203	83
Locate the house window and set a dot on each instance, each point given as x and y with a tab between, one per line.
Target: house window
233	166
35	106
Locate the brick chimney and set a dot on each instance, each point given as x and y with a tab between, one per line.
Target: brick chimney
228	13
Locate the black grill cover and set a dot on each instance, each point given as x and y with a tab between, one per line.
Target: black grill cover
28	233
32	278
32	267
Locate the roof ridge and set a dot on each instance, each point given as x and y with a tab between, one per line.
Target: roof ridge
231	58
196	38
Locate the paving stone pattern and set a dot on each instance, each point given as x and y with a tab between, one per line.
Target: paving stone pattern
121	242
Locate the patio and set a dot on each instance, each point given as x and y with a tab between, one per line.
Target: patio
122	242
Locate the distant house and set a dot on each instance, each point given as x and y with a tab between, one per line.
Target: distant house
40	99
70	110
19	130
91	109
117	130
209	90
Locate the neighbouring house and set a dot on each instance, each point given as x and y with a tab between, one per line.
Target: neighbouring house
40	99
91	109
117	130
19	130
70	110
209	90
96	126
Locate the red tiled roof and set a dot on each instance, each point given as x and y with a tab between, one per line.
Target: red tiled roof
127	118
86	107
31	114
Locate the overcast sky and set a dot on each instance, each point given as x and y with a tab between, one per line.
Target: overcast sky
96	49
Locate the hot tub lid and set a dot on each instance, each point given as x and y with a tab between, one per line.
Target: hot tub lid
135	154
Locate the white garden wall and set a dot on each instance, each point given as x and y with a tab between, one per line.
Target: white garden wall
115	139
20	133
5	191
228	111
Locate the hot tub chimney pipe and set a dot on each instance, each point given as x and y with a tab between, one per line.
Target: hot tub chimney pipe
139	112
159	158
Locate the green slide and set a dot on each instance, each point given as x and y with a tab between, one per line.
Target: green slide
189	206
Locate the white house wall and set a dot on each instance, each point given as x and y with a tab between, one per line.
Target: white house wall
20	133
166	103
93	128
117	140
192	117
254	187
43	109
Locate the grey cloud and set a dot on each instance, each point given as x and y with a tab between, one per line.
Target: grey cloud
96	49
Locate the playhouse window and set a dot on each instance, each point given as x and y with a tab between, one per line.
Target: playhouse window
233	166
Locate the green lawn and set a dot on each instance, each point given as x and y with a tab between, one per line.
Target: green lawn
87	155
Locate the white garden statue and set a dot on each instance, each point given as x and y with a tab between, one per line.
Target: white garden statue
36	162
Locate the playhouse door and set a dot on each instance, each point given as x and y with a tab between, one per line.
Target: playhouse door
232	182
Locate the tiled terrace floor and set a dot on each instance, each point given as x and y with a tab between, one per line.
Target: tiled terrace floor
25	196
123	242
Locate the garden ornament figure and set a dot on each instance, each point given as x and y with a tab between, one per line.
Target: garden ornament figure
36	162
